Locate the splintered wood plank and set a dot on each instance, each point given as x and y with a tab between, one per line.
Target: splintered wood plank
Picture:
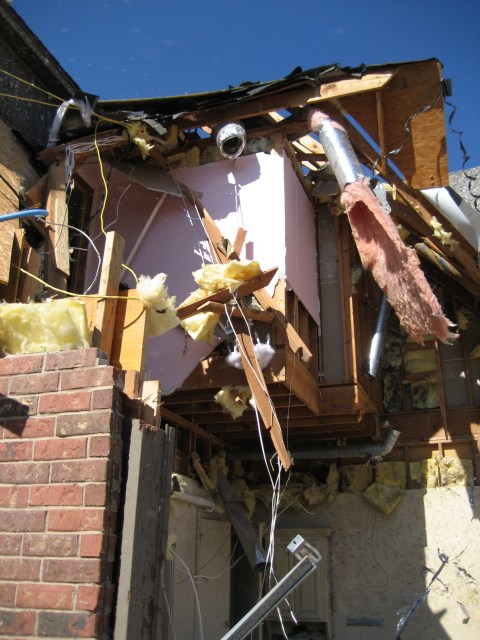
225	295
130	333
239	240
109	283
263	402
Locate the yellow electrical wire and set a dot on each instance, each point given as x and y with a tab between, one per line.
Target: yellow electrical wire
46	104
69	293
30	84
104	203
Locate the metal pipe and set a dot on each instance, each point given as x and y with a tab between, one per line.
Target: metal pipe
85	112
231	139
190	498
309	561
242	525
367	450
378	338
337	148
27	213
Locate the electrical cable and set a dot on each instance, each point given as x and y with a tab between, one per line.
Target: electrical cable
195	592
99	258
105	197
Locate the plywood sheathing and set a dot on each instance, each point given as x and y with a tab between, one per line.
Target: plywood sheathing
423	155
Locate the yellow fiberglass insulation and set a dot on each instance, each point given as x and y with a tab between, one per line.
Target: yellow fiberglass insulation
234	399
153	294
215	277
201	325
48	326
383	497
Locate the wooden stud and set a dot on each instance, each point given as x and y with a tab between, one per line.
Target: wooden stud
109	283
57	238
130	333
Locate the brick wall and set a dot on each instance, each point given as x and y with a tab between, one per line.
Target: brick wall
60	459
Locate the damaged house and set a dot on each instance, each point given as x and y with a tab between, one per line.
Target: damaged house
231	319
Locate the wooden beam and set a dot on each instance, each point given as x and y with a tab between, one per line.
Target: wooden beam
298	97
260	394
109	285
169	416
350	86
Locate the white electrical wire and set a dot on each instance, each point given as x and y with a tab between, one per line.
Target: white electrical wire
99	258
195	592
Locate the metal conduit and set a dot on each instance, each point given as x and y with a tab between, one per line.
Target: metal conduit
362	450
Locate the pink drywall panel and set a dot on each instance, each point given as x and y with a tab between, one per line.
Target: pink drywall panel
300	231
246	192
259	192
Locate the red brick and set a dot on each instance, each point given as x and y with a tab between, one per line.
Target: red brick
22	520
89	598
11	451
99	446
50	544
67	625
24	472
31	428
20	569
102	398
92	377
10	544
72	359
27	363
79	471
4	386
64	401
34	383
92	545
84	423
95	495
17	623
18	406
72	570
70	495
14	496
44	596
7	594
76	519
60	449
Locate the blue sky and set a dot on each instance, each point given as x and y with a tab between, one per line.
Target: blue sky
148	48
